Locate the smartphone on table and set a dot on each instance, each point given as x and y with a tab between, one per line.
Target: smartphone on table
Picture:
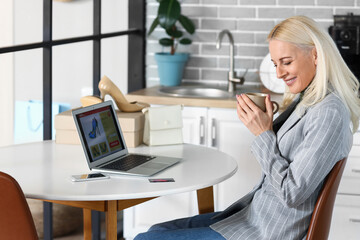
88	177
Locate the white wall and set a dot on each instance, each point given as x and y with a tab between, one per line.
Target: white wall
6	75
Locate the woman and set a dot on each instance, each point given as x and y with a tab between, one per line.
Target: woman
296	151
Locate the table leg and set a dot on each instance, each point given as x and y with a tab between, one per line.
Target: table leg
205	198
87	223
111	220
48	220
95	224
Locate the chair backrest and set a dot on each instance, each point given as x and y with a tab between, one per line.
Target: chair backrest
321	218
16	221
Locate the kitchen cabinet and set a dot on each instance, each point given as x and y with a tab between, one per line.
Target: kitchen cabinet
228	134
220	128
346	215
346	218
212	127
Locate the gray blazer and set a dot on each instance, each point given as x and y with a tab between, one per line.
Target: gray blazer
294	164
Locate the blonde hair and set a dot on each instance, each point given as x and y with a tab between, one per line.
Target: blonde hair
331	70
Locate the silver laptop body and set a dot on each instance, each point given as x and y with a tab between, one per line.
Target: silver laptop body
104	145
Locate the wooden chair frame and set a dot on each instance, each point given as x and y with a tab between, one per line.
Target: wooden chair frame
320	223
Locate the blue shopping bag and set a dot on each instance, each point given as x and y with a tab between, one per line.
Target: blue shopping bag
29	120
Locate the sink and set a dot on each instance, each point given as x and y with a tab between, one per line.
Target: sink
204	92
198	92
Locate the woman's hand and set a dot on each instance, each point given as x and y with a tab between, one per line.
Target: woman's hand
252	116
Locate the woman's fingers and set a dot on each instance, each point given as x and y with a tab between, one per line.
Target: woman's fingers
251	105
269	106
242	101
240	111
252	116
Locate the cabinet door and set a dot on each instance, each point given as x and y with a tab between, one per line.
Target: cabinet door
351	177
345	223
355	151
139	218
228	134
194	125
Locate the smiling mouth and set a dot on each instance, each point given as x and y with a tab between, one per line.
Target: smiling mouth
290	81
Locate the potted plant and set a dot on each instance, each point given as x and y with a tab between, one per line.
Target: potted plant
171	65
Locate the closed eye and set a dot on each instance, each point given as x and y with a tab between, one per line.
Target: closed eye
285	63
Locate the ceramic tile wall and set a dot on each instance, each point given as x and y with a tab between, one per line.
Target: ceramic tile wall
248	20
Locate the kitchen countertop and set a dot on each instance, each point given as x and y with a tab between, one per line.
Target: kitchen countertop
152	95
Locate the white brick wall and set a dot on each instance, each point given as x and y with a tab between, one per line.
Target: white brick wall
248	20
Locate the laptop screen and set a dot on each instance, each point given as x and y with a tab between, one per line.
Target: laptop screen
100	133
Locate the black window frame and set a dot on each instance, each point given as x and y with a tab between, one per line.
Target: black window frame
136	69
136	51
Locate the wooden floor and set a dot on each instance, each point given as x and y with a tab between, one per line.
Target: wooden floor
78	235
75	236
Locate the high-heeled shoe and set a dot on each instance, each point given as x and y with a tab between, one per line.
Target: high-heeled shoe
95	129
106	86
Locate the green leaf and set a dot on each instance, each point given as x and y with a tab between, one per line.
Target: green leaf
174	33
168	13
187	24
166	42
153	25
185	41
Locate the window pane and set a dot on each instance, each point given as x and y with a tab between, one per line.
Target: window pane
72	72
6	23
114	15
27	21
28	116
6	99
72	19
114	64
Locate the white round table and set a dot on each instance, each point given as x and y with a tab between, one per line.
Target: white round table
43	170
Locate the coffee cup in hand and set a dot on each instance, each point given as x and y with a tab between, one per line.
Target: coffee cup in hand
259	100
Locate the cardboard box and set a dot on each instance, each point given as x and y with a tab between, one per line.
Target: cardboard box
132	126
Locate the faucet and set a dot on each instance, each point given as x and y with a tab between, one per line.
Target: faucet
232	78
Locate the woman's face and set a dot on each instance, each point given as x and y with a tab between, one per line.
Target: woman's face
296	66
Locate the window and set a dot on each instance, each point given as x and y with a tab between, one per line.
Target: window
51	50
57	51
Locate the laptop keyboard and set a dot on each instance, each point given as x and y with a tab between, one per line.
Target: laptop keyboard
128	162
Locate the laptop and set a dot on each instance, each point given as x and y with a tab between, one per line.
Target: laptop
104	146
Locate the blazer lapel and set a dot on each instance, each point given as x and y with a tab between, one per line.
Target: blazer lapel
289	123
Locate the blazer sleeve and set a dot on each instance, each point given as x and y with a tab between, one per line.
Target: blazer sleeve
316	153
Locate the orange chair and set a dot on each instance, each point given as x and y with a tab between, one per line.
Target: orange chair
321	218
16	221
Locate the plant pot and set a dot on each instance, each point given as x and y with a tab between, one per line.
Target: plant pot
171	67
